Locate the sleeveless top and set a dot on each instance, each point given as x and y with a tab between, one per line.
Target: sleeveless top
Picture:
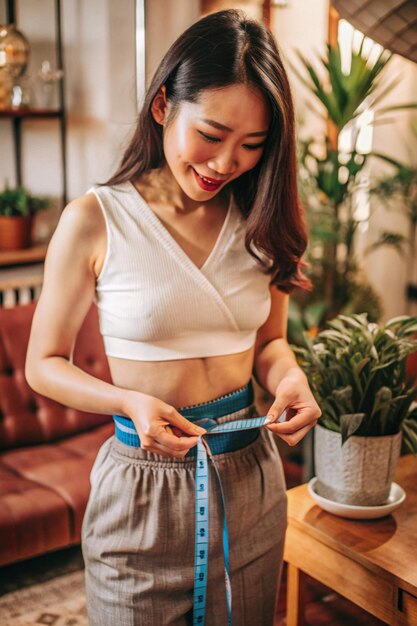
155	304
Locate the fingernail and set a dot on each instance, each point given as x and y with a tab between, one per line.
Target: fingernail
269	419
282	417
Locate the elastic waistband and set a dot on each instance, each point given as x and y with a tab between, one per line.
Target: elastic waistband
223	405
228	403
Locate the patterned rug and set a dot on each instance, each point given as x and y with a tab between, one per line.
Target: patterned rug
58	600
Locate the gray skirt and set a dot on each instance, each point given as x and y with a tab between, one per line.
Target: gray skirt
138	535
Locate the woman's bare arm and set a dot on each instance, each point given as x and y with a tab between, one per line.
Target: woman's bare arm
67	294
277	370
273	356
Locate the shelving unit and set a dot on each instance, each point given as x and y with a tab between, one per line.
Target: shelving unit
34	254
17	117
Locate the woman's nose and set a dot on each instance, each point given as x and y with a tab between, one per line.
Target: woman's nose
223	163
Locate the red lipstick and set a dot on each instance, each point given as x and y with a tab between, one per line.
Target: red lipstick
207	186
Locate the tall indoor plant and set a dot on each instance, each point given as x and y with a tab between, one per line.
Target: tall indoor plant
330	175
357	371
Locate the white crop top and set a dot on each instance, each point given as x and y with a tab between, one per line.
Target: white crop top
155	304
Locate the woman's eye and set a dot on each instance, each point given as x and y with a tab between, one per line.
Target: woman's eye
208	138
254	147
216	140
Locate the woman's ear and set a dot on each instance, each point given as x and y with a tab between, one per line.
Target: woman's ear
159	107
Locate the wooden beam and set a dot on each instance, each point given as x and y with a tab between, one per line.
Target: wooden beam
332	37
266	12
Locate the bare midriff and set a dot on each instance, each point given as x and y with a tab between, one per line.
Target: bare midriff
184	382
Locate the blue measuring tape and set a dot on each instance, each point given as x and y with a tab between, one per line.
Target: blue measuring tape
126	432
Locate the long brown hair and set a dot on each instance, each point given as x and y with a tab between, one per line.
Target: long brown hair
222	49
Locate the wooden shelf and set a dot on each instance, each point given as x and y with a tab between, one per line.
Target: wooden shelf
16	118
30	113
34	254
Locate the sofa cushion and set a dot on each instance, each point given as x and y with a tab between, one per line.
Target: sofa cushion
26	417
33	518
44	491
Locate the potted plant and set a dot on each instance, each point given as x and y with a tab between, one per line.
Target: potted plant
17	209
357	372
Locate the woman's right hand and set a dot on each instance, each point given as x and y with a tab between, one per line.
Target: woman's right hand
161	428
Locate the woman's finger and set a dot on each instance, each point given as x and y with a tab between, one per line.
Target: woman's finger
159	448
174	443
278	410
176	419
294	438
303	418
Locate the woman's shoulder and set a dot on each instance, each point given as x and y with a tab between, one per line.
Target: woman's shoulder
83	222
84	214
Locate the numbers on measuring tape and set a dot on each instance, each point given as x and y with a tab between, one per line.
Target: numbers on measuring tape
201	532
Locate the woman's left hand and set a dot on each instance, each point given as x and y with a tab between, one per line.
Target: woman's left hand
294	395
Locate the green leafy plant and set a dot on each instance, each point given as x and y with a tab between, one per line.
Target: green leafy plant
342	93
356	370
329	177
19	202
309	315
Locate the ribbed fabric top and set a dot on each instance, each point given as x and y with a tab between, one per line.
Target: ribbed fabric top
155	304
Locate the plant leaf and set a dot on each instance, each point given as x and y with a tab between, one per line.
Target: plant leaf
349	424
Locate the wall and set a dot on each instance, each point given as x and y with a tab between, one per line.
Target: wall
165	20
301	26
386	267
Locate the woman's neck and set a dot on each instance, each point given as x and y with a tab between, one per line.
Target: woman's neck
160	187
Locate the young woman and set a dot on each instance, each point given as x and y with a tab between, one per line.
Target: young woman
190	251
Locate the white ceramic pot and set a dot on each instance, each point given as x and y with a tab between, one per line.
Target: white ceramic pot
360	472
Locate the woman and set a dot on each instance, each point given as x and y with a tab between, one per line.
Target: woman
190	251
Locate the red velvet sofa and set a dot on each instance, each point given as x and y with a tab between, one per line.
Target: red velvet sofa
46	449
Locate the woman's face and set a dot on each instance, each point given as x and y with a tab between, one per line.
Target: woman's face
220	137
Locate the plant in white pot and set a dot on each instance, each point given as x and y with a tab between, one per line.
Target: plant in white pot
357	372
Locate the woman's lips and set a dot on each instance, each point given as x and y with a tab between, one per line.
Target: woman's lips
204	184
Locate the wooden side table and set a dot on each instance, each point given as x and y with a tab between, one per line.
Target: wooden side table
372	563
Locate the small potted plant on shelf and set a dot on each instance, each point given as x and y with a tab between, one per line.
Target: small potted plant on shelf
357	372
17	209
